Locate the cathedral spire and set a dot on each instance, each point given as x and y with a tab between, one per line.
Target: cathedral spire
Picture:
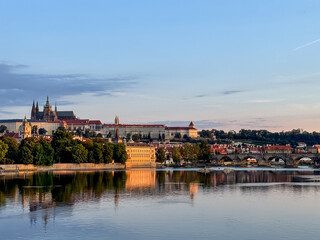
37	107
33	111
55	107
47	103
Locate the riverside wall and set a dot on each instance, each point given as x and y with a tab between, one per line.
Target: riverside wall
61	166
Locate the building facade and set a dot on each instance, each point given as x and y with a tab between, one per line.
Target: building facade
150	131
140	155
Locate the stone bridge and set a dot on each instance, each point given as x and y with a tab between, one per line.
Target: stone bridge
264	159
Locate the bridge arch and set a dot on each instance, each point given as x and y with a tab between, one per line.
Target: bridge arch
226	160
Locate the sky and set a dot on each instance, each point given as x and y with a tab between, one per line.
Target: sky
222	64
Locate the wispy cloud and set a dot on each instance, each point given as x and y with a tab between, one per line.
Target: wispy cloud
228	92
18	88
264	100
307	44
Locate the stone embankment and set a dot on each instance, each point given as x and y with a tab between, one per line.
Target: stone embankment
61	166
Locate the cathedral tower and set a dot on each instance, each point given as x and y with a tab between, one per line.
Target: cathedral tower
33	112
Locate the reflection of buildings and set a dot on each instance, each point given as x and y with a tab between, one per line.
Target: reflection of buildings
140	179
194	188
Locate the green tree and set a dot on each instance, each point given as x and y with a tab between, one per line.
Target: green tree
42	131
119	153
177	135
34	130
190	151
98	153
108	153
161	155
3	149
13	150
205	151
176	156
79	153
26	150
26	155
38	154
48	153
136	137
61	143
3	128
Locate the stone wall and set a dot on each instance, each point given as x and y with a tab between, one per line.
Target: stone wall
62	166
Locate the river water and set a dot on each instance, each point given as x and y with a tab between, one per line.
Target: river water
167	204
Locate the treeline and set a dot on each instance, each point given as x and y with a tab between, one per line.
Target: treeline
290	137
190	152
62	149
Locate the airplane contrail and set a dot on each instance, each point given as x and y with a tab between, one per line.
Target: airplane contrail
307	44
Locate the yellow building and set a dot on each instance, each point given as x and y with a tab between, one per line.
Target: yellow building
140	155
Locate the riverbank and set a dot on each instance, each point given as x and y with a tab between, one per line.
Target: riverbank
61	167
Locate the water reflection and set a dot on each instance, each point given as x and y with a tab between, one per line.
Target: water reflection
132	198
46	190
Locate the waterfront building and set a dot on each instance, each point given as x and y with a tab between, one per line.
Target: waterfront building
278	149
140	155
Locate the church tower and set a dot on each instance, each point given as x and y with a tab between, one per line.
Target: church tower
116	121
33	112
25	129
47	111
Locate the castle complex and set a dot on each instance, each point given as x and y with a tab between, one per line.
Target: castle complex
49	120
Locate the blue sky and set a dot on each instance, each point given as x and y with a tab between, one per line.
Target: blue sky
222	64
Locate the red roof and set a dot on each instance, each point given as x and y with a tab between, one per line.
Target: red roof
78	122
96	122
179	128
278	147
13	135
131	125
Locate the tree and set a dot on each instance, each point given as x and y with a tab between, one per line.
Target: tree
176	156
136	137
48	153
88	144
190	151
13	149
26	150
3	128
108	153
205	151
3	149
34	130
177	135
79	153
120	153
161	155
42	131
98	153
38	154
25	153
61	143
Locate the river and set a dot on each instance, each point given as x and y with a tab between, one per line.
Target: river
165	204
